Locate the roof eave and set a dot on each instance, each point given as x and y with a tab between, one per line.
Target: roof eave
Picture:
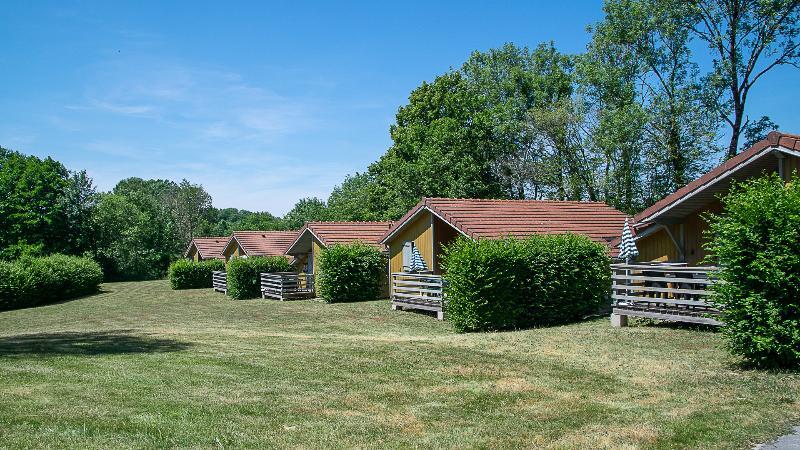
765	151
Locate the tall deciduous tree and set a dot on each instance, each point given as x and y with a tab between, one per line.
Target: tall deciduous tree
747	39
678	132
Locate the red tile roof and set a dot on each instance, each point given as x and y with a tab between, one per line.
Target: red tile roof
208	247
329	233
264	243
774	139
480	219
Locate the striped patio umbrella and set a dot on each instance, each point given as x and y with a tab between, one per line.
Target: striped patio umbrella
627	247
417	263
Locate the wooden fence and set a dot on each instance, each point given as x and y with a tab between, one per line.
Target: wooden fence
672	292
219	281
287	285
418	291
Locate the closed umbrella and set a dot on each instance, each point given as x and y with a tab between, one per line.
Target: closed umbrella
417	263
628	250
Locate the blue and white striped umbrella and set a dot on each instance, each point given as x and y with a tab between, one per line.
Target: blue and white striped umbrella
627	247
417	263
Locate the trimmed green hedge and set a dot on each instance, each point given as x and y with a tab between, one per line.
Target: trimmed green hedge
513	283
244	274
186	274
756	242
37	281
351	273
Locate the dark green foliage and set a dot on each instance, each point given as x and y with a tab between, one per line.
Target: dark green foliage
305	210
36	281
756	242
186	274
134	237
43	204
244	274
512	283
351	273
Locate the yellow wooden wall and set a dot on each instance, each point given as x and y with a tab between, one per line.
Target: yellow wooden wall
659	247
420	231
316	249
233	251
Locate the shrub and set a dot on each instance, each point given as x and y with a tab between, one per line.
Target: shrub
756	242
186	274
351	273
512	283
34	281
244	274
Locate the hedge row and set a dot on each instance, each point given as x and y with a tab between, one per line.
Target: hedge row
244	274
186	274
511	283
36	281
351	273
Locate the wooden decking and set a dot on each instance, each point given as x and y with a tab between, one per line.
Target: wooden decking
418	291
219	281
671	292
287	285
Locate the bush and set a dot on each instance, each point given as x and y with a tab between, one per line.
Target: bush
244	274
512	283
756	242
34	281
351	273
186	274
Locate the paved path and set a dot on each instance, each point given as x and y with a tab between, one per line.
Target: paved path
789	442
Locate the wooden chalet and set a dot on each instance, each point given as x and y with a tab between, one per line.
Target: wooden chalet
670	280
243	244
257	243
203	248
435	222
309	242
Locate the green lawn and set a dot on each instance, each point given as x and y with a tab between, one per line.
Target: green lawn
142	366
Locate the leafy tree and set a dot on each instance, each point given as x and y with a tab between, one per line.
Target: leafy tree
680	131
190	204
352	200
747	39
305	210
443	147
78	203
135	236
31	202
258	221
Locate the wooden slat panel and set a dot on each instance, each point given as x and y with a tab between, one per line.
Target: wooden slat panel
667	301
662	279
638	288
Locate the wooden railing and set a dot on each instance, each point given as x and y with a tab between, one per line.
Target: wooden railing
219	281
287	285
663	291
418	291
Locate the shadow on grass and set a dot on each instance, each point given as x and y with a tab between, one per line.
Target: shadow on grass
86	343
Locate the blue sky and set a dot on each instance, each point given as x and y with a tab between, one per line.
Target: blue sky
260	103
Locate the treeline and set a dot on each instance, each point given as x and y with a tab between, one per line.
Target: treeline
134	231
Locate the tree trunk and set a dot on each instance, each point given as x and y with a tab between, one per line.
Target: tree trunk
736	131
